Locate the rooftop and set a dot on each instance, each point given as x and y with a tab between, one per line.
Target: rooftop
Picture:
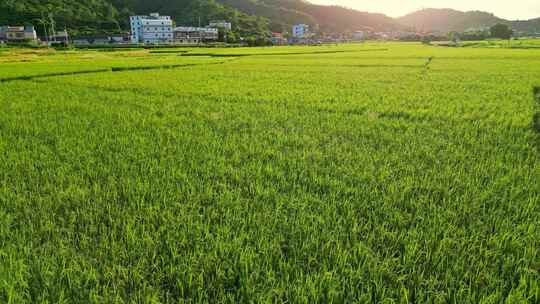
195	29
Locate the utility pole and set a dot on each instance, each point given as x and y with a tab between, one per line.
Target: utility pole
43	22
52	27
199	29
200	8
67	35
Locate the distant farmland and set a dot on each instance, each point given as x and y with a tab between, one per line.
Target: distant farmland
374	173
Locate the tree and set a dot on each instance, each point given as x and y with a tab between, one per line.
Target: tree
232	37
501	31
454	37
427	39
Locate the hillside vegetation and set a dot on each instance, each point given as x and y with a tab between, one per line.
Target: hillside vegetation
328	18
112	16
249	17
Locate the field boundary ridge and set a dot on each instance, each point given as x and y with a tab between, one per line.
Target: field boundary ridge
108	69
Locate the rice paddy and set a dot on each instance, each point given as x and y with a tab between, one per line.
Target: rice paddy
368	173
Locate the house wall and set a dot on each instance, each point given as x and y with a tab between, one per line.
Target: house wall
300	30
151	29
194	34
221	24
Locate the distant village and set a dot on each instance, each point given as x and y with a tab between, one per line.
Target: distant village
155	29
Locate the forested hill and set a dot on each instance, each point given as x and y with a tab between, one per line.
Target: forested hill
329	18
248	16
112	16
446	20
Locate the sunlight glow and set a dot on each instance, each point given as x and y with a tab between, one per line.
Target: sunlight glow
513	10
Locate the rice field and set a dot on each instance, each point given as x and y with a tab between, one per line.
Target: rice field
533	43
367	173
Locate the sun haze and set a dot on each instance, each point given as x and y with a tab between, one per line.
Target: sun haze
518	9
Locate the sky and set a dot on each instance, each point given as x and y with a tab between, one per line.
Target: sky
513	10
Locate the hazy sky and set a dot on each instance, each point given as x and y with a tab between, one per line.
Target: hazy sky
516	9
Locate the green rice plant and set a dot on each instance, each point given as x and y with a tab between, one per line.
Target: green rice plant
536	115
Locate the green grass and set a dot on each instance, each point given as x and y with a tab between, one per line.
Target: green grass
357	173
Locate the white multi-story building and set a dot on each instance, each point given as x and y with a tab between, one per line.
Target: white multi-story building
153	29
300	31
221	24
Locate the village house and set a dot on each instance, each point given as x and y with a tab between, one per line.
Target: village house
18	33
124	38
359	35
221	24
60	37
194	35
278	39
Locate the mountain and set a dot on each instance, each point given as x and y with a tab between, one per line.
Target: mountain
249	17
339	19
447	20
112	16
527	26
284	13
94	14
